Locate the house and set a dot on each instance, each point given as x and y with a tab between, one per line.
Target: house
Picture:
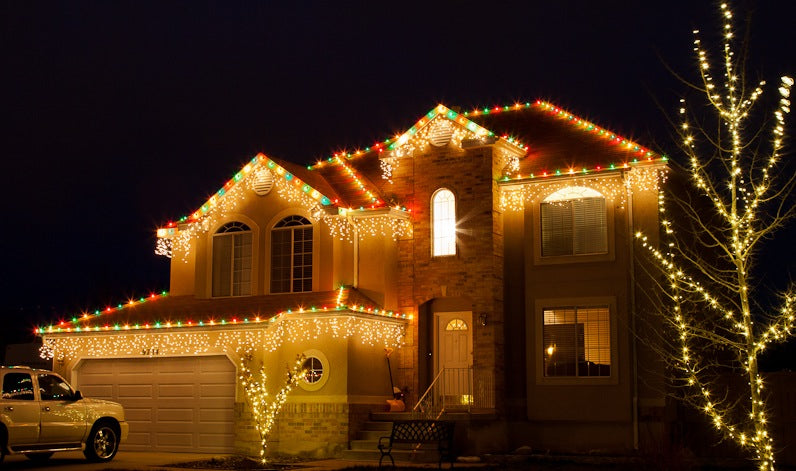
490	252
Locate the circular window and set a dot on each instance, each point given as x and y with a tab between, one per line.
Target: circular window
313	368
316	370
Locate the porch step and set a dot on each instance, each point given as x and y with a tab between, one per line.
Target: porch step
377	425
371	435
389	417
365	446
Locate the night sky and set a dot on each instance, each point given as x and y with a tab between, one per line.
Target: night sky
119	116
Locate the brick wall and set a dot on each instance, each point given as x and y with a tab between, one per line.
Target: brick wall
306	429
474	274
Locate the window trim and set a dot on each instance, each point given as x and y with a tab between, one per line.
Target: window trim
232	234
535	223
535	354
432	212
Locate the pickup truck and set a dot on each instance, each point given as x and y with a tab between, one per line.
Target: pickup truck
40	413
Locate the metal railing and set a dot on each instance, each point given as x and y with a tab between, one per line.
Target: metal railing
452	390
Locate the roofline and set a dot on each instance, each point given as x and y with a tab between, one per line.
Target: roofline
258	161
233	324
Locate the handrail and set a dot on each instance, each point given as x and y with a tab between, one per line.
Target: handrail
430	386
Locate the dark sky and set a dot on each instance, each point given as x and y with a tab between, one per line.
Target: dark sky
119	116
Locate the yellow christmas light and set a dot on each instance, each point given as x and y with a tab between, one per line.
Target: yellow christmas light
737	200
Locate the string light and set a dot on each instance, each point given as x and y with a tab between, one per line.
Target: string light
516	193
223	337
748	185
264	411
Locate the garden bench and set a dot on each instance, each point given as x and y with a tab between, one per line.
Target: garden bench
420	432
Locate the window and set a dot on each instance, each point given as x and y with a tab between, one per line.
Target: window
574	222
54	388
313	370
232	260
456	324
18	386
291	255
316	370
576	341
443	226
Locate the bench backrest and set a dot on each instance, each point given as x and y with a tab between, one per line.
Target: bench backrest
422	431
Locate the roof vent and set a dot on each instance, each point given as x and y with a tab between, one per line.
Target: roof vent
263	182
440	134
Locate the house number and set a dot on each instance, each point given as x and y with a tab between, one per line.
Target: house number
150	351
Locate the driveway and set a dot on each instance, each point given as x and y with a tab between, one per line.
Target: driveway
125	460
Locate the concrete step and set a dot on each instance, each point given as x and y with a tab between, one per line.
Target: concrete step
377	425
373	434
391	416
364	445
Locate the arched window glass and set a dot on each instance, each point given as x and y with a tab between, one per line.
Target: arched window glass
232	260
456	324
291	255
443	227
574	222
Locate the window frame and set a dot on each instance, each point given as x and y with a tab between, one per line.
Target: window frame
536	348
535	227
219	233
436	225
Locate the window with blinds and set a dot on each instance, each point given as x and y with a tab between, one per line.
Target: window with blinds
576	341
574	227
232	260
291	255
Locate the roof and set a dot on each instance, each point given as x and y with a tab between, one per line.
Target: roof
554	142
166	312
559	142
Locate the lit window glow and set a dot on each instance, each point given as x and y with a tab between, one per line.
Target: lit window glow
443	213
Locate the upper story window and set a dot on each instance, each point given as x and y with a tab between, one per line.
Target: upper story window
291	255
443	223
574	222
232	260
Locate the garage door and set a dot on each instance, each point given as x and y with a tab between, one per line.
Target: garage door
172	404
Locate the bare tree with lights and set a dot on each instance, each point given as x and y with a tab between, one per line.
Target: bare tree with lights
264	408
716	307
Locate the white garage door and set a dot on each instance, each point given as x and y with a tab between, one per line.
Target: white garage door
172	404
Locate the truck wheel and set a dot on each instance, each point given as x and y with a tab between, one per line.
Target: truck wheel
102	443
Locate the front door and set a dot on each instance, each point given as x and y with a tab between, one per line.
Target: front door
454	356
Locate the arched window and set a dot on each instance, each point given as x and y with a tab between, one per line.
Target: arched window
443	225
291	255
232	260
574	222
456	324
